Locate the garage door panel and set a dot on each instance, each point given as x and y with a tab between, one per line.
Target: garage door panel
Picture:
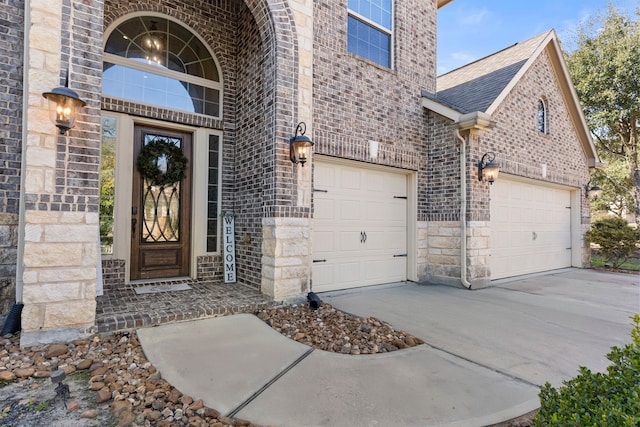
350	210
348	272
383	271
367	227
324	209
350	179
375	210
322	275
397	211
324	242
349	242
393	242
326	175
536	233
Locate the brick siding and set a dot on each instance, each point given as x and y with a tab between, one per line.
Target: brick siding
11	98
520	150
355	100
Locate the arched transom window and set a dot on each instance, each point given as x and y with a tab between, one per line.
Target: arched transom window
153	60
542	116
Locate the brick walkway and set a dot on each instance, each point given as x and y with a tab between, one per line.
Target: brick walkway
125	309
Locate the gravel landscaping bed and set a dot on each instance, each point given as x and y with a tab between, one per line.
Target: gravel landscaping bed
112	383
332	330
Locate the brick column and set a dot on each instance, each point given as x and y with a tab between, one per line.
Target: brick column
286	244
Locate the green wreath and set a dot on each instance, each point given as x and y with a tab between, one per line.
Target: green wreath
149	163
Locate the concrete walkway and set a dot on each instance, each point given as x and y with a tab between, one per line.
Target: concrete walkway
487	352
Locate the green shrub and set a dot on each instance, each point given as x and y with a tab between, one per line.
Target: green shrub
609	399
616	238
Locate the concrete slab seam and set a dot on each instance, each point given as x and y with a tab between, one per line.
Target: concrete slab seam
269	384
522	380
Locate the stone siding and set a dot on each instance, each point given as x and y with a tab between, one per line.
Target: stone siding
62	173
444	256
285	257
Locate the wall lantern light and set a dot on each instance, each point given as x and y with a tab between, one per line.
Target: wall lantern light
300	145
64	104
488	170
592	193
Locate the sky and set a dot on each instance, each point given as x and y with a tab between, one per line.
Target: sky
472	29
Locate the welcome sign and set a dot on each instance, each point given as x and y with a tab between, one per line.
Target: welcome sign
228	236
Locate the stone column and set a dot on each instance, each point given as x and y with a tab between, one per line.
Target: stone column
422	257
479	253
61	173
285	257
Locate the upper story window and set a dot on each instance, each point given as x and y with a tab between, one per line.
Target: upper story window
370	30
156	61
542	116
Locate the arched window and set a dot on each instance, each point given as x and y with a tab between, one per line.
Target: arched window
153	60
542	116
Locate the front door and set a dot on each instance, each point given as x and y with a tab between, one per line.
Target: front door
161	204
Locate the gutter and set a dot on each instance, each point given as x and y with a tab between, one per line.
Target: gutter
463	210
23	160
472	122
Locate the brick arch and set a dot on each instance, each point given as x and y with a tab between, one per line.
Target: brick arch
196	23
279	37
275	24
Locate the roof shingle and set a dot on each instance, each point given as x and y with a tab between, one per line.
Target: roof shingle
475	86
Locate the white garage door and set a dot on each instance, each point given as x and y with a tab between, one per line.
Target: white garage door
530	228
359	233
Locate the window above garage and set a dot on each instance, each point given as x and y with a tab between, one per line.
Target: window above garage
370	30
542	116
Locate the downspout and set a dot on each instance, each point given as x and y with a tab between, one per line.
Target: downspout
13	322
23	160
463	210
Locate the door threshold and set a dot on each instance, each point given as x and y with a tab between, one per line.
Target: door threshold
159	280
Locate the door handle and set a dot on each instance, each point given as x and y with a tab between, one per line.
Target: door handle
134	221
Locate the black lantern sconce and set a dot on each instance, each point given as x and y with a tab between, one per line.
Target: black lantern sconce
64	104
300	145
592	193
488	170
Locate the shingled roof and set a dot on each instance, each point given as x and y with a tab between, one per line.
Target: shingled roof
476	90
474	87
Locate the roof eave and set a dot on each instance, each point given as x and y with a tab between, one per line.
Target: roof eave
442	3
573	104
441	109
474	121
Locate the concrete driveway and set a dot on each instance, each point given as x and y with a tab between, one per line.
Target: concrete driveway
487	353
535	329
